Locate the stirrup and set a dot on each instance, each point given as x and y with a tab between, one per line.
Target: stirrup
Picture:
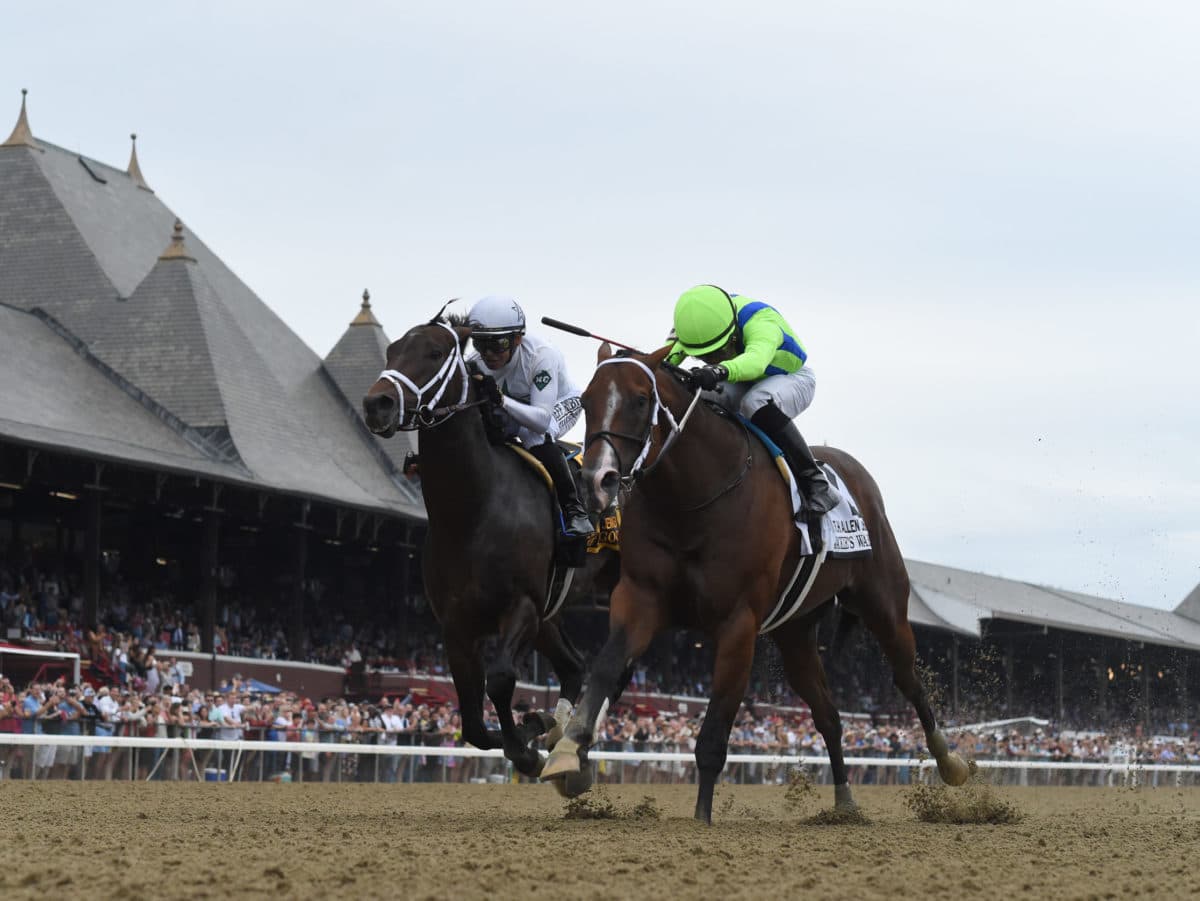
821	496
574	522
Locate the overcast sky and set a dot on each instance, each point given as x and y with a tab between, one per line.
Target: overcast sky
983	220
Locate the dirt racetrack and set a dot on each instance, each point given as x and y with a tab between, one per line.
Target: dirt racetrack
114	840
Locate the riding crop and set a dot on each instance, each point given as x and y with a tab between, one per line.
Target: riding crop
583	333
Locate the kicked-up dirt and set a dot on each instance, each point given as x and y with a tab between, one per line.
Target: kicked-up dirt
221	841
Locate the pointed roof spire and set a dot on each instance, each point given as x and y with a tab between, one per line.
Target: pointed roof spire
177	250
21	135
365	316
134	170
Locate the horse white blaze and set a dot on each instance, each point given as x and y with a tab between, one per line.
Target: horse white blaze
606	466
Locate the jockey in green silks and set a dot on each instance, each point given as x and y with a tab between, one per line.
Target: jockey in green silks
750	346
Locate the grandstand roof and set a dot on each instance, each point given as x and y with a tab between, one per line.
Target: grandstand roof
1189	607
960	600
201	375
355	362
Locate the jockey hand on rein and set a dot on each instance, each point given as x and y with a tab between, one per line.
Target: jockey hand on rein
490	390
706	378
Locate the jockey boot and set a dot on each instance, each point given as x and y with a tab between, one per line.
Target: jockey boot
819	495
575	519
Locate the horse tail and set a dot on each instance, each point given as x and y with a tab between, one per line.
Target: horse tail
847	622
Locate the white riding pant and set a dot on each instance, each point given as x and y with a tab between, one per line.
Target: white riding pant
792	393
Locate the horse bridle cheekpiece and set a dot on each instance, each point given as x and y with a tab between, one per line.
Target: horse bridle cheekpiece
428	414
647	440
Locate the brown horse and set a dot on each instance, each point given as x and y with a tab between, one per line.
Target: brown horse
708	543
490	541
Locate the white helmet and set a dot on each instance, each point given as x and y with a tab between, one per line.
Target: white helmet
496	315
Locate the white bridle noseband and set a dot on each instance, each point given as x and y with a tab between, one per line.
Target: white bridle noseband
425	413
636	470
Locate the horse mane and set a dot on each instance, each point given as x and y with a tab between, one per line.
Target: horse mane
454	320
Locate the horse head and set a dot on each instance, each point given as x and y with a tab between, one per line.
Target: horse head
422	369
622	408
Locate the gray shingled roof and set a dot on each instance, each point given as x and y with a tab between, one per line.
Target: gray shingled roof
961	599
1189	607
354	364
81	241
62	402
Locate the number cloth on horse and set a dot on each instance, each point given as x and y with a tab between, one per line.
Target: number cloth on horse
843	530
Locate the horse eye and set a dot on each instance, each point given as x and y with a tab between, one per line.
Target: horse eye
642	400
436	354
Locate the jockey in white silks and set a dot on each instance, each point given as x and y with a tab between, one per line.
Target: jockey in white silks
526	378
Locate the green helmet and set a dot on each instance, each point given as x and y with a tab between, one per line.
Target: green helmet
705	318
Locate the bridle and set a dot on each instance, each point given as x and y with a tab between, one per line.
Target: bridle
637	472
427	415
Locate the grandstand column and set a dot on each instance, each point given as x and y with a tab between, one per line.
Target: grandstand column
1058	681
1009	672
1146	688
1102	673
1181	667
299	575
954	675
91	553
211	563
60	551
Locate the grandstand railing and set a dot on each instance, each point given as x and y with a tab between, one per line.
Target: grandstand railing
329	758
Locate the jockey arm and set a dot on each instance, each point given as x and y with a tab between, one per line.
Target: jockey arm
538	414
760	340
532	416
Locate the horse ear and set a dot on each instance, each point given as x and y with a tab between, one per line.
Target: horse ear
655	359
604	352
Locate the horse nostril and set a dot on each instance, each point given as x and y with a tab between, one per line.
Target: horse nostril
610	481
378	409
377	403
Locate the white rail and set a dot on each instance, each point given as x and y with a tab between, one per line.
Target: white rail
338	747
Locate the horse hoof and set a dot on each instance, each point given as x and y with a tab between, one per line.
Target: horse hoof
953	770
563	760
573	784
534	770
843	801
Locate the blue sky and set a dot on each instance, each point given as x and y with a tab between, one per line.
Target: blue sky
982	220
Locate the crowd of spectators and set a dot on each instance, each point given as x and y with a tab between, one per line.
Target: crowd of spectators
140	688
231	713
234	712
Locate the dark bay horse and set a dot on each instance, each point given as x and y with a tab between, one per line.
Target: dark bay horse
490	539
708	543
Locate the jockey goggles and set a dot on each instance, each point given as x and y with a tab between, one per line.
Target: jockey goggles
493	344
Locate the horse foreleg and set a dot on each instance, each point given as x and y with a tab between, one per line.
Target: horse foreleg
568	666
797	643
634	620
731	674
467	671
517	632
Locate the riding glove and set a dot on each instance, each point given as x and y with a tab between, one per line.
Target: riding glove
490	390
706	378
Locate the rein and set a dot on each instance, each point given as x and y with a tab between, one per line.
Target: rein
637	472
426	415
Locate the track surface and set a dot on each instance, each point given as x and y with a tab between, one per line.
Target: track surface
434	841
